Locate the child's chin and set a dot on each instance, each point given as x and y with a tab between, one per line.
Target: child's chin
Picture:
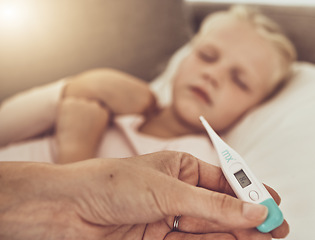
191	116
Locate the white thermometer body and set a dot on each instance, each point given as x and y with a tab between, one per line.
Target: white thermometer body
243	182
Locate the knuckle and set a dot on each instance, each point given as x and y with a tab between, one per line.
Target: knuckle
186	159
186	156
224	201
221	202
223	184
178	163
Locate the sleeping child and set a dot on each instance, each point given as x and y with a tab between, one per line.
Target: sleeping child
236	61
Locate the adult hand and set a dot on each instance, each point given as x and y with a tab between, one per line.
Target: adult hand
133	198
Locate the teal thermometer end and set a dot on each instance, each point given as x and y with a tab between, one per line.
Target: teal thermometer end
274	218
243	181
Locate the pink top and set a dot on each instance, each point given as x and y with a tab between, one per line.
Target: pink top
31	112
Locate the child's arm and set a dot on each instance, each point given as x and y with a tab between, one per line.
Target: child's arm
88	103
120	92
80	126
29	113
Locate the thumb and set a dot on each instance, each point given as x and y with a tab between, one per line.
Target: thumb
215	207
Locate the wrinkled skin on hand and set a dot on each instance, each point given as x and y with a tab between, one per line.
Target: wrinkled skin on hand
133	198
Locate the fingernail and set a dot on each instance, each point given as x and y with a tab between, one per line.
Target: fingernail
254	211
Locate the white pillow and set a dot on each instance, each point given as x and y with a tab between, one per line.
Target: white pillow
277	140
162	86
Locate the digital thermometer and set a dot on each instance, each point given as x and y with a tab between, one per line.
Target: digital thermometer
243	182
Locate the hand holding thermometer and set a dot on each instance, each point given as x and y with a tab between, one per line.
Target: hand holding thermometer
243	182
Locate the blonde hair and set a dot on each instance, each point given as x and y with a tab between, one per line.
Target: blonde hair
264	26
162	85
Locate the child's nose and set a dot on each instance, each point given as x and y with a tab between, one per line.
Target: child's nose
215	74
210	79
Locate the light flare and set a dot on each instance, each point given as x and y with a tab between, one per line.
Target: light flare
13	14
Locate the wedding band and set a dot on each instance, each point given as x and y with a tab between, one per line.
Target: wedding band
176	223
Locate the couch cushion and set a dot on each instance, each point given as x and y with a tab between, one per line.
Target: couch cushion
296	21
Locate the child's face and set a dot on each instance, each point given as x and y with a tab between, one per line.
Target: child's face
229	71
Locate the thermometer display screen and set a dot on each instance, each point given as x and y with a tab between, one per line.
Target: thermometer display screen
242	178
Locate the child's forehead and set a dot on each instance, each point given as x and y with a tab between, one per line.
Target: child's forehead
242	45
237	39
228	28
222	22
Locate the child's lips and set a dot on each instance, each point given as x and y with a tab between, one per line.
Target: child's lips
201	93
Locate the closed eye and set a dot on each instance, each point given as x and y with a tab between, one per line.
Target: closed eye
239	82
208	54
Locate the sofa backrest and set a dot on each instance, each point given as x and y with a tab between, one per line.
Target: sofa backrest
63	38
297	22
136	36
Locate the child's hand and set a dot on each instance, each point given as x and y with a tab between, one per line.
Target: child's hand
120	92
79	129
86	107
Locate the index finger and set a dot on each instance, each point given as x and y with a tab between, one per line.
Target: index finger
212	177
